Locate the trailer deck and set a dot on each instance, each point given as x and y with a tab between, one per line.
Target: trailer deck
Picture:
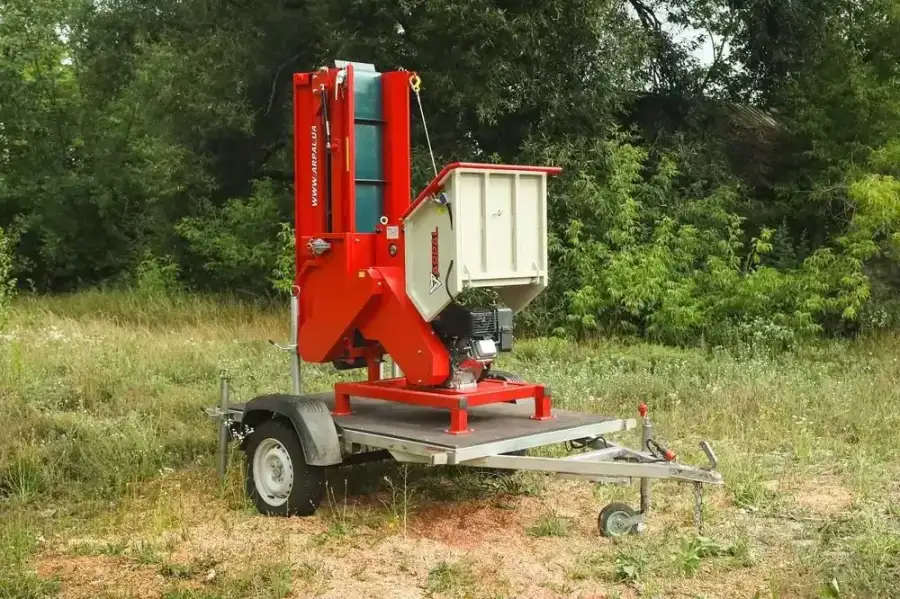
499	432
494	429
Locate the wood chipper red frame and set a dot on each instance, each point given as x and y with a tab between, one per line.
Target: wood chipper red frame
354	307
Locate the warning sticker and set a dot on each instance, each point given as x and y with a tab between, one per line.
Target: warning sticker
435	262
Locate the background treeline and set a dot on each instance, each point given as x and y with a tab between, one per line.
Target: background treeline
755	197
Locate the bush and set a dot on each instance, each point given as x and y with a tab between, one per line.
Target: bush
238	243
7	283
157	277
635	250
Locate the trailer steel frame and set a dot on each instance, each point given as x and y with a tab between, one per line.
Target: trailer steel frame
601	461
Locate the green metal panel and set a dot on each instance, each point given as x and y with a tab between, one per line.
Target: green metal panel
368	131
367	86
369	164
368	207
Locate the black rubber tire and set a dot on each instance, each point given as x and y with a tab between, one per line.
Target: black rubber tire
502	375
308	488
606	521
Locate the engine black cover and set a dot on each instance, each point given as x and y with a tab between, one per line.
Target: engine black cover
492	323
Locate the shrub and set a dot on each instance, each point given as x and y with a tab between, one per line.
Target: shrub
7	283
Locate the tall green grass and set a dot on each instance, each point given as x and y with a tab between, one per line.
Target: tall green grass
102	390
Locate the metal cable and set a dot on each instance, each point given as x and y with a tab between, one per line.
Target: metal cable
416	84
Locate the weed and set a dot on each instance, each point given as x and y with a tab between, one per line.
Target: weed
558	588
832	590
91	548
550	525
588	568
630	566
145	553
695	549
23	479
754	496
194	594
339	522
401	498
742	552
268	582
174	570
17	580
451	579
871	566
314	575
336	531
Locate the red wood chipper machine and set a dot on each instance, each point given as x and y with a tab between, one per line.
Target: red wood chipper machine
378	275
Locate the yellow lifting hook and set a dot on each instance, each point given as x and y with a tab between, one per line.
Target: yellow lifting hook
415	82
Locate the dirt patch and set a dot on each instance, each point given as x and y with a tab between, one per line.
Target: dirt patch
372	557
470	524
824	496
87	577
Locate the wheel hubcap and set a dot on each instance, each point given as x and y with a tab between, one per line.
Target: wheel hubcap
618	523
273	472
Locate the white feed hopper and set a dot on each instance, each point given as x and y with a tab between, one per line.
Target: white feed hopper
478	225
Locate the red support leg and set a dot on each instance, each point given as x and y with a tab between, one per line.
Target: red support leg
459	422
341	405
542	405
374	370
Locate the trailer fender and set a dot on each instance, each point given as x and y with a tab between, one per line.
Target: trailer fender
311	419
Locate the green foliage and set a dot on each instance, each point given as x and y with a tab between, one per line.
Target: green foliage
452	579
641	253
7	283
630	566
240	241
286	260
550	525
157	277
151	142
694	550
17	578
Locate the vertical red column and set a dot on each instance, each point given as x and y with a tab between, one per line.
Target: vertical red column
343	166
307	150
308	219
397	160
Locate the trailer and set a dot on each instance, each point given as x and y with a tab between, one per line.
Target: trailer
291	440
382	275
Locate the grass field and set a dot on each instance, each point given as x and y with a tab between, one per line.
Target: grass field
107	484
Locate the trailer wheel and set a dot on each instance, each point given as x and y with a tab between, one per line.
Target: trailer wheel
279	481
617	520
502	375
